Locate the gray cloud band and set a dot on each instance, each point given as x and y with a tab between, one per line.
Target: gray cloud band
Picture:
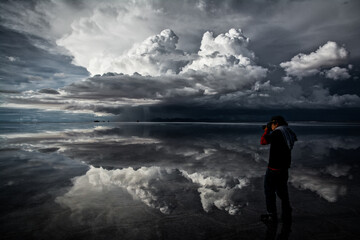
222	71
222	74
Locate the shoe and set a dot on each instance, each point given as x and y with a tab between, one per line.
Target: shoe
269	218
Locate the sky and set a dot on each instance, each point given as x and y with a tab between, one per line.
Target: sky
201	60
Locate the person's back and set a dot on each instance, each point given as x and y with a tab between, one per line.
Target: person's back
280	153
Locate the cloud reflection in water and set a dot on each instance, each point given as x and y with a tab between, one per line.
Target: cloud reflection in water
159	188
163	166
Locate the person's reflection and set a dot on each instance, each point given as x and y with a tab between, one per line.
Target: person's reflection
272	228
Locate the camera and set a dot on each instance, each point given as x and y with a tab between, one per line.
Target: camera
268	126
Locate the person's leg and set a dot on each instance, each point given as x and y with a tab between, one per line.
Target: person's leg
283	194
270	189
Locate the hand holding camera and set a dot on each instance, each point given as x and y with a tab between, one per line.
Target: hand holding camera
267	126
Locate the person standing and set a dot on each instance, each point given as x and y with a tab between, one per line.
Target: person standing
281	139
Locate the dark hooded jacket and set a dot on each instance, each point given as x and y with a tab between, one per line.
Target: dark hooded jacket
281	141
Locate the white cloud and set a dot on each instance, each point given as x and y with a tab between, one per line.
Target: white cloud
11	58
287	79
59	75
225	56
337	73
225	62
155	56
100	41
226	51
266	86
304	65
201	5
233	42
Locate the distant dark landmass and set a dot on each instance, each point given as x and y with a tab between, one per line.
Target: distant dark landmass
260	115
183	114
183	120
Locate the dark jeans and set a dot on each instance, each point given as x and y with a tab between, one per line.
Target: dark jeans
276	184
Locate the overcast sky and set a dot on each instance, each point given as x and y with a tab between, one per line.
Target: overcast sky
217	60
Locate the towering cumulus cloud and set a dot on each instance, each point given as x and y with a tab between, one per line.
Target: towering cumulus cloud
304	65
101	32
155	56
161	55
223	65
224	50
227	57
152	74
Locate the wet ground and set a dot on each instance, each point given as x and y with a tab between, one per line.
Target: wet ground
172	181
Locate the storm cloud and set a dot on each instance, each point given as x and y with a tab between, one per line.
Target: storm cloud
146	56
222	74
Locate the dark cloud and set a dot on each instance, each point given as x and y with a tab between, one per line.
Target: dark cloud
301	26
33	115
303	56
24	66
48	91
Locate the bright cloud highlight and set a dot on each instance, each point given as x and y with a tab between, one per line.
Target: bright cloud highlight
337	73
155	56
305	65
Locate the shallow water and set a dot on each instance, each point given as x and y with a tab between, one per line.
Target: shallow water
171	181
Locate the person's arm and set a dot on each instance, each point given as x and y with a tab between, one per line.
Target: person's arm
265	138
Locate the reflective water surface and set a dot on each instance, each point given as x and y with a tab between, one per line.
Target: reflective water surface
171	181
